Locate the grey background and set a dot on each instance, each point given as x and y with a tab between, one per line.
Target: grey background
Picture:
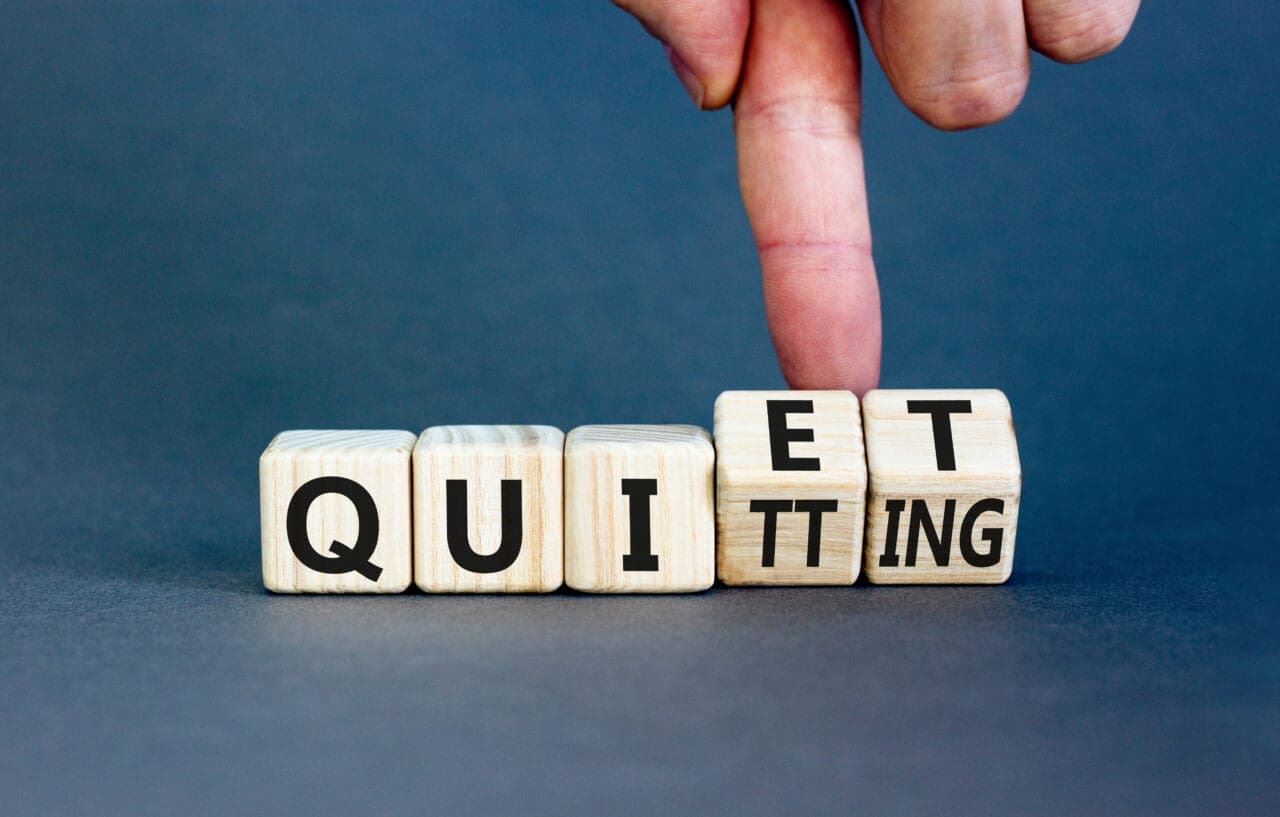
220	221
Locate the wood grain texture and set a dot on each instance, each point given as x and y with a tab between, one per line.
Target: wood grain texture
379	462
745	473
906	471
485	456
681	461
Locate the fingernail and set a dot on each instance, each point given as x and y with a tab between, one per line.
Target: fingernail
686	76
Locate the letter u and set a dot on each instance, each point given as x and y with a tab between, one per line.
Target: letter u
456	528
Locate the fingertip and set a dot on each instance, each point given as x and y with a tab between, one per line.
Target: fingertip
823	308
1074	31
970	103
704	41
858	374
688	77
956	66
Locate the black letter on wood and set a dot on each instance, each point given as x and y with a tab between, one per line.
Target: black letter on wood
641	558
815	508
456	528
893	507
940	411
345	559
920	519
770	508
781	437
993	536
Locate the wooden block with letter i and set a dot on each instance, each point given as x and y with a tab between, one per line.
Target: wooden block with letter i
945	483
336	512
488	509
639	509
791	481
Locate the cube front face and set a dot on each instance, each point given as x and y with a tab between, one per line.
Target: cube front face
336	511
791	482
639	509
945	482
488	504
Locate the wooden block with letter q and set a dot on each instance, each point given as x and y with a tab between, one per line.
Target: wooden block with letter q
639	509
791	481
488	509
336	512
945	484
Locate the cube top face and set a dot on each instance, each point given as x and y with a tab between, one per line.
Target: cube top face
639	509
336	511
627	438
901	445
488	509
791	483
322	443
764	436
501	437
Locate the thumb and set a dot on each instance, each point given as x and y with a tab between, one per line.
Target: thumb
797	118
703	39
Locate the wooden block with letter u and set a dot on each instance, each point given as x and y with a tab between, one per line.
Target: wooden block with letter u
639	509
945	483
336	511
488	509
791	481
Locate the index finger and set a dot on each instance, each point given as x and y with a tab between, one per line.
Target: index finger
796	119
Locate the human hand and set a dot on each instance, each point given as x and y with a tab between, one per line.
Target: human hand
795	88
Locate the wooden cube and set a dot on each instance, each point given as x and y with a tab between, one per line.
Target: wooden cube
945	483
336	512
791	483
639	509
488	509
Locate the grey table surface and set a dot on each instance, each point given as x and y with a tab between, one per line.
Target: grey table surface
220	221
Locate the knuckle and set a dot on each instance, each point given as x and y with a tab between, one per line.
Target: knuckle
822	117
969	100
1076	32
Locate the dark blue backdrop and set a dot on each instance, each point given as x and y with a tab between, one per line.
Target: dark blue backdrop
218	222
